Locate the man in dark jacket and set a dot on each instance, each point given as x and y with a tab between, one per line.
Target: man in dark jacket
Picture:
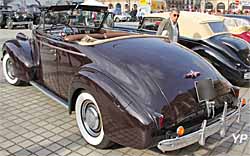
169	27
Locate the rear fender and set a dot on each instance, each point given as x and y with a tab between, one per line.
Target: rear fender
20	52
114	103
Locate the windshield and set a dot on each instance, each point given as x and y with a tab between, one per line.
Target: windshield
217	27
84	18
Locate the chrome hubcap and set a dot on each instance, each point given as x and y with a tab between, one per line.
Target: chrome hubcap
10	69
91	118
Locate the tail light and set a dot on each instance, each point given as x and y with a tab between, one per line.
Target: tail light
236	91
161	121
180	131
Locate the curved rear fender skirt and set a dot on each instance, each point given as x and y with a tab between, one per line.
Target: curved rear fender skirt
120	125
21	54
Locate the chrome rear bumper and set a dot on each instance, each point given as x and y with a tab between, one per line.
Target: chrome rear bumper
203	133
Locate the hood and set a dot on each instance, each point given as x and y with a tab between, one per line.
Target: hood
153	72
233	47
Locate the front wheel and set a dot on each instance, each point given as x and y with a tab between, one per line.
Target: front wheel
8	71
89	121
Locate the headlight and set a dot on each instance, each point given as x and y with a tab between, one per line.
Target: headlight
16	15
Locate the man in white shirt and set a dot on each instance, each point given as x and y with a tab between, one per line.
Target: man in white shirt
169	27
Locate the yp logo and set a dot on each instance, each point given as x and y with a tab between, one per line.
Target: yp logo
239	138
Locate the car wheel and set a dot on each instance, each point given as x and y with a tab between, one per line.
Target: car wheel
117	19
2	24
89	121
10	24
8	71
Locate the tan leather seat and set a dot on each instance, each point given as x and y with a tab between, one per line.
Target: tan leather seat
96	36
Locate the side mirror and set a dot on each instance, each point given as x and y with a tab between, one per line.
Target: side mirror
21	36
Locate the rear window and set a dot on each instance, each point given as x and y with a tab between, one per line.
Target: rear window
218	27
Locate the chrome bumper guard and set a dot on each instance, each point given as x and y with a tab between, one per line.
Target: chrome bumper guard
205	131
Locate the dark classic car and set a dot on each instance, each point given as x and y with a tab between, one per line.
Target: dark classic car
132	89
209	38
5	11
18	17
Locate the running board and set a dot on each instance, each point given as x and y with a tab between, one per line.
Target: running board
49	94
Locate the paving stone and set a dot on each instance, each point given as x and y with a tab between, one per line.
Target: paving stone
29	135
133	152
84	151
6	144
74	154
34	148
14	149
43	152
94	153
103	151
2	139
55	138
18	139
26	143
4	153
37	138
54	147
63	151
64	142
23	152
47	134
114	153
45	142
73	146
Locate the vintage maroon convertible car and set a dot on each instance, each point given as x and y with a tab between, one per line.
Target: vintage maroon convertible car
131	89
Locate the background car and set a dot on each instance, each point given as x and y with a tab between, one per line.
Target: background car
208	36
140	99
19	17
5	11
122	17
238	25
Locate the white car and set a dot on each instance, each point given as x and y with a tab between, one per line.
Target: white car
123	17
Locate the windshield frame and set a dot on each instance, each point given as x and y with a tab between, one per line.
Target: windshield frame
72	8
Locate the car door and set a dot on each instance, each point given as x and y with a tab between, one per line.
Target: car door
49	63
70	60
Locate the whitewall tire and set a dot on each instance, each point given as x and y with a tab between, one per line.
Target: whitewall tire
89	121
8	71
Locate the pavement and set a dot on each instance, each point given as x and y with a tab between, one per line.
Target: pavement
31	124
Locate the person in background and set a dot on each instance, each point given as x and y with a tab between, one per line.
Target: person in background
139	15
169	27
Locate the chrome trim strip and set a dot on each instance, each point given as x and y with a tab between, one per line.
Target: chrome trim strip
49	94
57	48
